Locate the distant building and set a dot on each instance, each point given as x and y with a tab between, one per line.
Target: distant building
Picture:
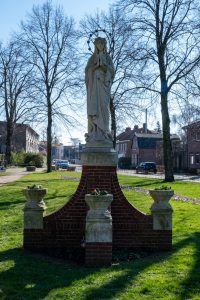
69	152
144	147
57	151
142	144
193	145
124	140
24	138
72	152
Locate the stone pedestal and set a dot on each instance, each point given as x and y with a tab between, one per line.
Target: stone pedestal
98	235
34	208
99	156
161	209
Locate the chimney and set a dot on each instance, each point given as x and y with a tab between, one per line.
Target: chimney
135	127
128	129
144	127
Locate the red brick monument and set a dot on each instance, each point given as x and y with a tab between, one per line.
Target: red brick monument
66	233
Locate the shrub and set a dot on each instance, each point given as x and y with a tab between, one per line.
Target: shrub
34	159
18	158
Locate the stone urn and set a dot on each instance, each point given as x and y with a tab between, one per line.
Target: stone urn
34	207
98	219
34	197
30	168
161	209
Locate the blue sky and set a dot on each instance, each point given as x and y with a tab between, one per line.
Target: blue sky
13	11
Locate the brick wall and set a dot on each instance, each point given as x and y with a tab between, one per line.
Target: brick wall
98	254
63	232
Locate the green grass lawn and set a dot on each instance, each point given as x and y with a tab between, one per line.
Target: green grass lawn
169	275
5	173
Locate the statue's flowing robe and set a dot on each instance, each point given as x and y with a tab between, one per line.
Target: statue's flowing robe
98	83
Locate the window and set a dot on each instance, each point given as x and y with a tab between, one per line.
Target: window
197	158
198	136
191	159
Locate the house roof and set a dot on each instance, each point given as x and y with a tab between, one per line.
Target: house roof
158	136
21	125
129	133
149	135
195	124
148	141
148	138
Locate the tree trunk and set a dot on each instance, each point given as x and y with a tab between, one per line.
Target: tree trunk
49	138
9	135
167	146
113	121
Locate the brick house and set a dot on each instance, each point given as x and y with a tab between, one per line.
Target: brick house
24	138
144	147
141	144
193	146
124	140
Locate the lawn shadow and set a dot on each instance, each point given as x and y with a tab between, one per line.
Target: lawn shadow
146	183
5	205
40	276
187	290
33	277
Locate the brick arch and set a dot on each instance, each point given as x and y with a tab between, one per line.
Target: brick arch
63	231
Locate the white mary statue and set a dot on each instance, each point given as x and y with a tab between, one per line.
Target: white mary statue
99	74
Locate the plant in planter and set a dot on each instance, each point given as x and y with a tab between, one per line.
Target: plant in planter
98	219
34	195
34	186
162	193
161	208
34	207
163	188
98	192
98	230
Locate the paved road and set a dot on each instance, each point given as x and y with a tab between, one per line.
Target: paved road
183	177
17	173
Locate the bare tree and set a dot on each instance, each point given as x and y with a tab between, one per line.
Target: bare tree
168	40
16	102
50	39
113	26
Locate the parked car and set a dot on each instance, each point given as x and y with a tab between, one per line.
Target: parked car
146	167
62	164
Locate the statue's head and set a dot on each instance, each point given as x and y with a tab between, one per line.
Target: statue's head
100	45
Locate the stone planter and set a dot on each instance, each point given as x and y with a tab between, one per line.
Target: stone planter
98	219
161	209
54	168
98	233
34	208
30	168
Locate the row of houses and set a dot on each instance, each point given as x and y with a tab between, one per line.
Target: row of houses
59	151
26	139
142	144
138	144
